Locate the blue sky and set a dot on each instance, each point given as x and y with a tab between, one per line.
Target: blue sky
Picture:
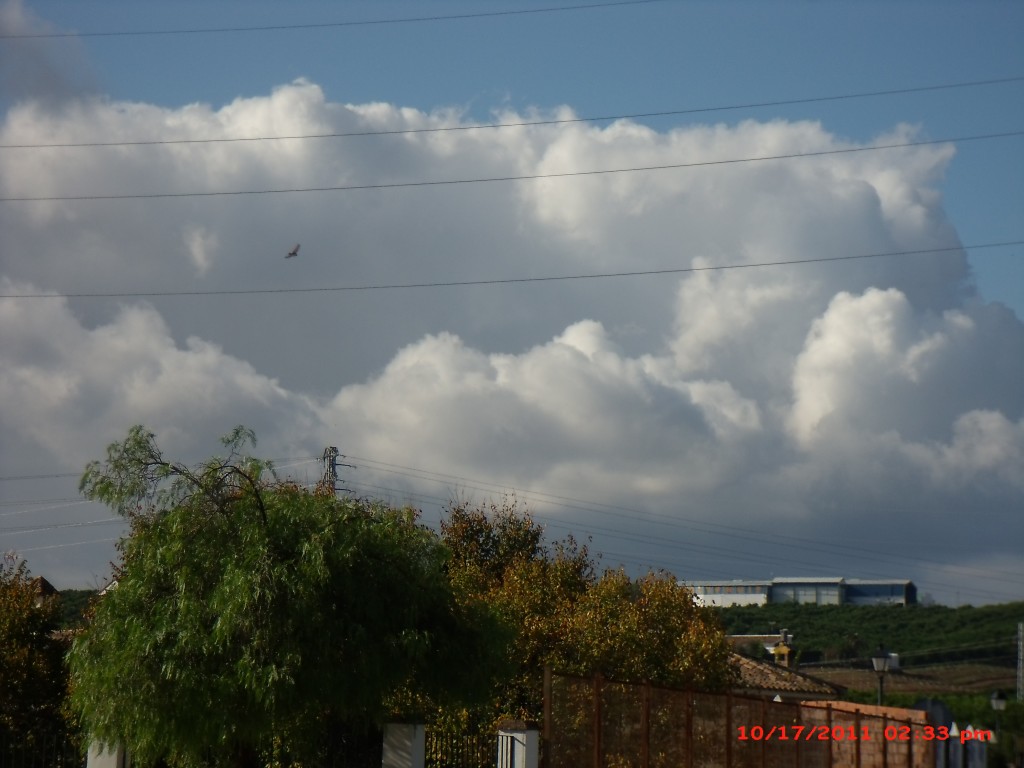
733	421
652	57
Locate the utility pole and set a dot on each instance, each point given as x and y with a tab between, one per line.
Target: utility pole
331	464
1020	661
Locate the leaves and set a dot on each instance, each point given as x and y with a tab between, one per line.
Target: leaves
33	680
247	611
563	615
137	481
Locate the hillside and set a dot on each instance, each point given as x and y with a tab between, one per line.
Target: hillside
920	634
73	603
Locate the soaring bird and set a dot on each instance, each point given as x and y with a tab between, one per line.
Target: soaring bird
293	252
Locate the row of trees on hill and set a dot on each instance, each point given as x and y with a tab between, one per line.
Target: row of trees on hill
921	634
252	619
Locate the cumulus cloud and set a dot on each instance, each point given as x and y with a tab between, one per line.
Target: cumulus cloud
811	398
71	389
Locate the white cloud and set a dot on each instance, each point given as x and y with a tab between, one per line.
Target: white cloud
71	389
813	395
202	245
986	448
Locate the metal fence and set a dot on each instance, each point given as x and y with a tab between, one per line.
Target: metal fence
49	751
445	749
597	723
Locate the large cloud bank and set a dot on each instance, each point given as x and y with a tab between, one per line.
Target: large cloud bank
734	415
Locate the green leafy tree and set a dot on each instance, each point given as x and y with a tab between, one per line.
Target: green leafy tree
33	679
251	617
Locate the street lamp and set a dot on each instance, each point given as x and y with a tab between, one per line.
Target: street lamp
998	702
880	662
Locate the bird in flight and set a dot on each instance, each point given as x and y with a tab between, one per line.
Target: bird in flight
293	252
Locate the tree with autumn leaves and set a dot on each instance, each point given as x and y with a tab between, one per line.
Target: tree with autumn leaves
33	678
564	615
252	619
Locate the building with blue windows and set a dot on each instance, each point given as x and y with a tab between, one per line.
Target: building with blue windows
834	590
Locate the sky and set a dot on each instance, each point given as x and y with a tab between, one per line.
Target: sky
729	289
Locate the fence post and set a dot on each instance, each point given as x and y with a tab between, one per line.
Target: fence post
645	727
404	745
518	745
856	735
549	718
885	749
799	721
828	722
764	742
689	728
598	680
728	729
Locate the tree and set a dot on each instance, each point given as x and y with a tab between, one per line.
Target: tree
33	679
250	615
500	558
650	629
565	616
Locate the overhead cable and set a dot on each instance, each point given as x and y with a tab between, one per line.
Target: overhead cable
505	281
525	123
326	24
494	179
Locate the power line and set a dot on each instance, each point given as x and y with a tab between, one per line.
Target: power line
62	546
37	510
328	24
671	521
494	179
22	529
507	281
523	124
647	560
40	477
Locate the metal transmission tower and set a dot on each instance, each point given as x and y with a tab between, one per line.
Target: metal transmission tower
330	479
1020	661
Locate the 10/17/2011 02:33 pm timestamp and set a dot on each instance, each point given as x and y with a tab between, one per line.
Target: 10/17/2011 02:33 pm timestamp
858	733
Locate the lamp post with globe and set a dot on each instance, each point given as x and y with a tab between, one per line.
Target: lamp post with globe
880	663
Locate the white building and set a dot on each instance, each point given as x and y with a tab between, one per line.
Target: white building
829	590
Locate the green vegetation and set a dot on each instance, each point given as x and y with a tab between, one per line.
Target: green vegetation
251	617
33	678
920	634
565	615
73	606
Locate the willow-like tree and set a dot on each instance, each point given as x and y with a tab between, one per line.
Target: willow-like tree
250	617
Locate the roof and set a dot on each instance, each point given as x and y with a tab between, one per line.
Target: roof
790	580
42	587
730	583
760	677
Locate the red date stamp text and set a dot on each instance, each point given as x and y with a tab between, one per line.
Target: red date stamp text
857	733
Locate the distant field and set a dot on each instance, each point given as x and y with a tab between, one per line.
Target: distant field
962	678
